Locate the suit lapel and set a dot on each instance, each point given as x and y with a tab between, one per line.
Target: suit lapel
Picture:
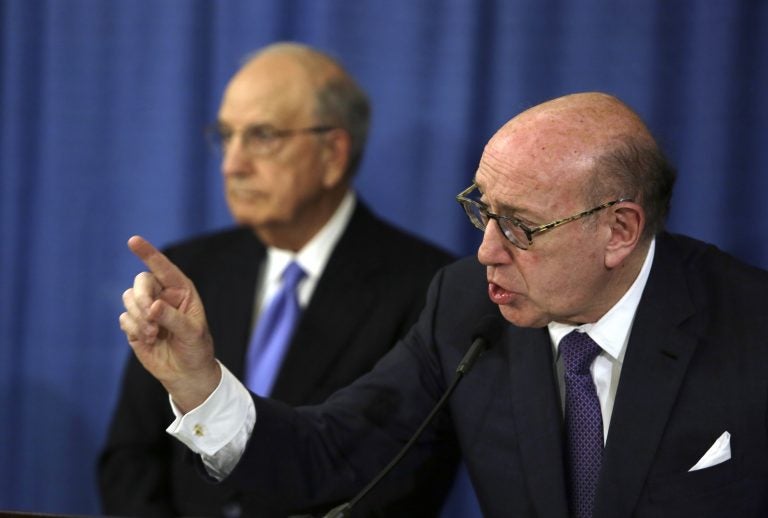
337	308
538	418
658	354
232	291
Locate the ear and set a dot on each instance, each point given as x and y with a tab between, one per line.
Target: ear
336	156
626	225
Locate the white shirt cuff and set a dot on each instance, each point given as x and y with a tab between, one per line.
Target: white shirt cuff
222	423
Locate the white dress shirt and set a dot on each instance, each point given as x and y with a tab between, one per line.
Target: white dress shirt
611	333
312	257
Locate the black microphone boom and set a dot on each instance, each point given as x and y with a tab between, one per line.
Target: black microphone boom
486	332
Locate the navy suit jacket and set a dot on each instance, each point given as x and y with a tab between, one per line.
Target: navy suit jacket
368	296
696	366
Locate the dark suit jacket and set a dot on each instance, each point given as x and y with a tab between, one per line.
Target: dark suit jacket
369	295
696	366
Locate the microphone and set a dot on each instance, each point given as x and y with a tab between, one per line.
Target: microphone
487	330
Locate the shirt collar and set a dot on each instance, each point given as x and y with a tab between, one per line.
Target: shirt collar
611	332
315	254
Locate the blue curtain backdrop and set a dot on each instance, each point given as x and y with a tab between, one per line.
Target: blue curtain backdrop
103	102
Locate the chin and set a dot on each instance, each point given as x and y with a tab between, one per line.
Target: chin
245	215
522	317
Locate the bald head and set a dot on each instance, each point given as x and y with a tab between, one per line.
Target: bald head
316	67
584	123
596	140
305	79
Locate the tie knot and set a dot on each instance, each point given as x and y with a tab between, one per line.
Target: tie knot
578	350
292	274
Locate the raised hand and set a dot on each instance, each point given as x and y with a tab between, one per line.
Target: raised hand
164	321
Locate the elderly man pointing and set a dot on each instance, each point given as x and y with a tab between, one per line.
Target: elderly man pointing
630	377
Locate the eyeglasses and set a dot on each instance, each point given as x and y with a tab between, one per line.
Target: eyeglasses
513	229
258	140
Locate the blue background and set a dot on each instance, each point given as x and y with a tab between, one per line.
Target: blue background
102	110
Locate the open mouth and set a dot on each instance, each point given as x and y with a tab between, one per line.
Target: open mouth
499	295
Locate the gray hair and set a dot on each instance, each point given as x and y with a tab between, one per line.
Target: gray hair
341	103
636	168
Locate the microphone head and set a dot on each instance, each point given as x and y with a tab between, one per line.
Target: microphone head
486	332
489	328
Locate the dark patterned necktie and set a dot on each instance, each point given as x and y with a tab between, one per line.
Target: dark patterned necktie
583	422
273	334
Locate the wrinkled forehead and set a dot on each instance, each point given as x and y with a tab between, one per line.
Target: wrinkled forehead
535	168
543	150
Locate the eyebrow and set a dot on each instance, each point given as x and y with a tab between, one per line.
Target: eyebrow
509	211
224	124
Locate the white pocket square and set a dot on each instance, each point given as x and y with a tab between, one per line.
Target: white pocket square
718	453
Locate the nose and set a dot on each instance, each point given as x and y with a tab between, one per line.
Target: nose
235	161
494	249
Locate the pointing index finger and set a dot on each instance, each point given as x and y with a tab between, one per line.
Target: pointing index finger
163	269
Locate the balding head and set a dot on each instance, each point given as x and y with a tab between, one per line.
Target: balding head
337	99
318	68
604	142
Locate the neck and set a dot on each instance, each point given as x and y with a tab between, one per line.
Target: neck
295	235
616	284
626	273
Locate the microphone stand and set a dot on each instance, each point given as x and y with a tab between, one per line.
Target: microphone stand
477	347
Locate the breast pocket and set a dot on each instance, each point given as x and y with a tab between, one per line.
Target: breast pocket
726	489
695	484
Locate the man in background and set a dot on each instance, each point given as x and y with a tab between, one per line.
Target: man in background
292	127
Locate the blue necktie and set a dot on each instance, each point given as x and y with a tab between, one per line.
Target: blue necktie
273	332
583	422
